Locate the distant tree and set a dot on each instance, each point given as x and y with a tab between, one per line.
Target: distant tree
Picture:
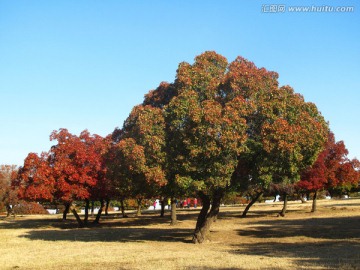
69	172
8	195
127	168
35	181
348	176
146	126
343	172
72	171
331	170
121	185
96	147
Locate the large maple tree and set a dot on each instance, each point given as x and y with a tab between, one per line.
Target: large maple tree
218	113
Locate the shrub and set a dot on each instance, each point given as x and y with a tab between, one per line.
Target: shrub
30	208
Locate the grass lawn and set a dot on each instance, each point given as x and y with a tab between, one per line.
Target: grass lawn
328	239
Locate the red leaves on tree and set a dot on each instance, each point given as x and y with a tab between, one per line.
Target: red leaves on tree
35	180
76	163
68	172
332	168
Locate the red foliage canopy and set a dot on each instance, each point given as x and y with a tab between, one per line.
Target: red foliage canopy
331	169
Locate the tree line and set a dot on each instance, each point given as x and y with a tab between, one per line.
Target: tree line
219	127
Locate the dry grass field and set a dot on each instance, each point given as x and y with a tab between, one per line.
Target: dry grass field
328	239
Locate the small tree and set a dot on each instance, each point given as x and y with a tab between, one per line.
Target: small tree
67	173
8	195
103	191
34	180
331	170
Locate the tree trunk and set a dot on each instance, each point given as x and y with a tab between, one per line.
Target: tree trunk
78	219
92	208
201	220
122	208
283	211
107	207
97	219
314	201
56	207
66	210
87	205
8	210
254	199
301	196
173	212
138	212
205	219
162	212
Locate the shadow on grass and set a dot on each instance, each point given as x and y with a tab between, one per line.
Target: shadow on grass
112	220
213	268
111	228
334	244
255	213
33	223
320	228
112	235
329	254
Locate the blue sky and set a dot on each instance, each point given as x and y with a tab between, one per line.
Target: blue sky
85	64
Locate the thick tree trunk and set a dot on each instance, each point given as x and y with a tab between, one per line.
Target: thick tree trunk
138	212
173	212
254	199
162	203
78	219
97	219
122	208
205	219
198	237
87	205
66	210
107	207
283	211
313	209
